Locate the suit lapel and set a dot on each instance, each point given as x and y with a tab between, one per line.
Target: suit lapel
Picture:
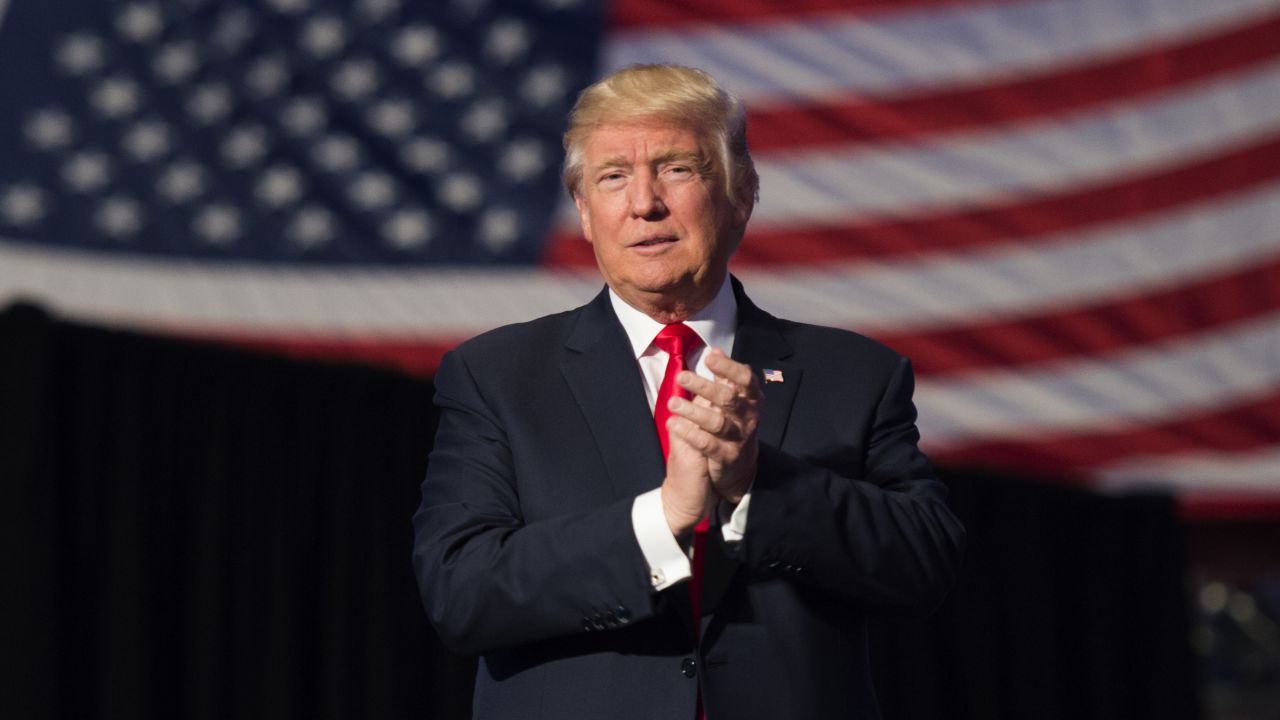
758	342
605	382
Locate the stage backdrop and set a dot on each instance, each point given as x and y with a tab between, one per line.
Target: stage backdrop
198	532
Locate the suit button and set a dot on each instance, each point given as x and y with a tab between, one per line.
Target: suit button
598	622
623	614
688	667
586	624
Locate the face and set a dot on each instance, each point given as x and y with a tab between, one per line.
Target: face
656	215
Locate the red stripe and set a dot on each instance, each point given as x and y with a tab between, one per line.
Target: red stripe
674	14
1102	327
1024	219
419	358
1126	78
1250	425
1206	506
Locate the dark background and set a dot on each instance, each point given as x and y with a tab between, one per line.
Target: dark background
203	532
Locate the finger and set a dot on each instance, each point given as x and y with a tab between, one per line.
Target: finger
723	366
709	446
707	417
718	393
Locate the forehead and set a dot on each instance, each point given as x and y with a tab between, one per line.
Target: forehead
640	140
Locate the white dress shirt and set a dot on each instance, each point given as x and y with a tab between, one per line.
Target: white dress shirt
668	563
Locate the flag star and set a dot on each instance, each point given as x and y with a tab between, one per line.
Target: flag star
289	7
372	190
181	181
49	129
279	186
506	40
355	80
484	120
87	171
115	97
452	80
393	118
522	160
324	35
23	204
146	140
210	103
118	216
139	22
376	10
415	45
499	228
425	155
304	116
461	192
267	76
244	146
544	85
80	54
311	226
233	29
407	229
176	62
217	224
337	153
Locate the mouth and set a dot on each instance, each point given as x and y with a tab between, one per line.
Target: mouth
655	242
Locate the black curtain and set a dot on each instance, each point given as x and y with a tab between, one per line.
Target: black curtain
200	532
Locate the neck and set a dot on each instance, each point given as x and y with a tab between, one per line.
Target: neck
667	308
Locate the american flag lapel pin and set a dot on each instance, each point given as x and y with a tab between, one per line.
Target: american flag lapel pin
772	375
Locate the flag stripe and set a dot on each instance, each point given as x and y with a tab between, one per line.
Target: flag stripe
930	47
1239	428
1189	375
1095	328
831	184
1024	219
1054	92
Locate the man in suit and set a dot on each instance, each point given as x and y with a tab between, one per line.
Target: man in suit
722	559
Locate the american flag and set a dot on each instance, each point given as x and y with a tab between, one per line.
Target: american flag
1067	212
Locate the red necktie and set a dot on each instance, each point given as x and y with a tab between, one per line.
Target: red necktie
678	340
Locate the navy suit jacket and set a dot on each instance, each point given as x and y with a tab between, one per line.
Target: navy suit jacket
525	552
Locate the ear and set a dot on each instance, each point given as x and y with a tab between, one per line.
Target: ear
584	216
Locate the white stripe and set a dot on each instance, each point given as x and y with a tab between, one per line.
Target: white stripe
906	51
1252	471
204	296
911	293
834	184
1191	374
1146	254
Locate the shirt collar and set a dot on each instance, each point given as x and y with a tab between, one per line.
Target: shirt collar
713	323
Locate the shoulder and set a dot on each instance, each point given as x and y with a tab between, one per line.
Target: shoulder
818	340
516	347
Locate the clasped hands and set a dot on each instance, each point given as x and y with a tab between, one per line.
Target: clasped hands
712	446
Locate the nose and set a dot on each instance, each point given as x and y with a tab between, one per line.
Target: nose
645	195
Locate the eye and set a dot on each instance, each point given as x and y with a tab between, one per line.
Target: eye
611	178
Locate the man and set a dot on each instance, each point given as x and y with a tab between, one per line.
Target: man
563	535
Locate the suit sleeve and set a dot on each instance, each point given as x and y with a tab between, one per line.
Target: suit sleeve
490	580
885	538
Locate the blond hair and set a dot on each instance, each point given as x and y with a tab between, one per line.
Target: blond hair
667	93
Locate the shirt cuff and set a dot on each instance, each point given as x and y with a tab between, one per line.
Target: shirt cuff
668	564
733	520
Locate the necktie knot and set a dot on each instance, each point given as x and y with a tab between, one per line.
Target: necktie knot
677	339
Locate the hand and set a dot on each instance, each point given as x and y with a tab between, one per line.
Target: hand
686	491
720	423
